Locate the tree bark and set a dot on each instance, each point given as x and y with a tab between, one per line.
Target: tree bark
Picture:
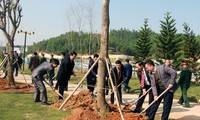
101	102
10	78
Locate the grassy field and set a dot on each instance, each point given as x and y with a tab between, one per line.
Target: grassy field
20	106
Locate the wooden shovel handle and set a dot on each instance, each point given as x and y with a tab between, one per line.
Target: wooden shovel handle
142	95
155	100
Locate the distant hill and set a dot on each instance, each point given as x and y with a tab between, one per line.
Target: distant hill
121	41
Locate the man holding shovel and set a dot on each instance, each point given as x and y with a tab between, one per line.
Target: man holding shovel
37	75
162	80
143	76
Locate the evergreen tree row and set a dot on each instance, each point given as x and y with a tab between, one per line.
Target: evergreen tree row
142	44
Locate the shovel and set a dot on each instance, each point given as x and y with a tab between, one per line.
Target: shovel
133	106
53	89
117	87
155	100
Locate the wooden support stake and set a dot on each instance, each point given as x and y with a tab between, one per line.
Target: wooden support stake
114	89
79	84
23	76
2	63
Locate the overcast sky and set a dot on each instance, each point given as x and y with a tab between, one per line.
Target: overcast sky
49	18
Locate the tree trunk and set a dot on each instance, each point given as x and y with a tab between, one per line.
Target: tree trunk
10	12
103	54
10	78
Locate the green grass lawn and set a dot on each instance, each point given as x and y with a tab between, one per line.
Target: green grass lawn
20	106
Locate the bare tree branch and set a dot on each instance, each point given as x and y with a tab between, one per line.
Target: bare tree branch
10	11
90	16
19	16
3	20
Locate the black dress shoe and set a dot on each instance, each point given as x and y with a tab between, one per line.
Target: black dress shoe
56	88
135	111
124	89
129	89
93	96
37	101
66	89
181	103
186	106
46	103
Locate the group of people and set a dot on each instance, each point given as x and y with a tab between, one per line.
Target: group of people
154	80
42	67
157	79
17	63
123	74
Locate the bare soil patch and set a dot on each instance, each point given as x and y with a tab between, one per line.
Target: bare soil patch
84	107
22	87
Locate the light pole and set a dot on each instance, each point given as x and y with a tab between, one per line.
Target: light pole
29	33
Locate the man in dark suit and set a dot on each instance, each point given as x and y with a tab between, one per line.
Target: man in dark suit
20	61
34	62
92	76
120	76
144	79
162	77
15	63
43	59
62	55
128	69
184	82
65	71
37	75
50	60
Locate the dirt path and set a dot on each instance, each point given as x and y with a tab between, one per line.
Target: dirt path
178	112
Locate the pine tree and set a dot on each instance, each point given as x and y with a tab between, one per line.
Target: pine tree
168	42
191	47
143	44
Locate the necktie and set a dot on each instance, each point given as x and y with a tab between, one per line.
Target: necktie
158	81
119	76
142	79
156	76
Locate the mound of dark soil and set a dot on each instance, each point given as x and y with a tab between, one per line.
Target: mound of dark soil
84	107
